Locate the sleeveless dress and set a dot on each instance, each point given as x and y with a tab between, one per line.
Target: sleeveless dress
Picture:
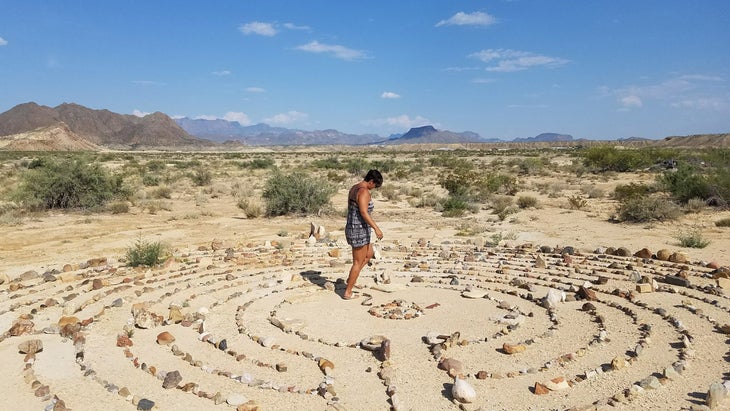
357	231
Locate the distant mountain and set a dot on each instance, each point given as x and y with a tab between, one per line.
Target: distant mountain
231	132
430	135
56	137
99	127
545	138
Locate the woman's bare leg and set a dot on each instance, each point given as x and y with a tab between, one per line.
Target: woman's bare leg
360	258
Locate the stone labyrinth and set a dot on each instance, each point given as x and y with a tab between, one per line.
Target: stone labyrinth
450	325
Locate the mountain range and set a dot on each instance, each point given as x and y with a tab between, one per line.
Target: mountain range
72	126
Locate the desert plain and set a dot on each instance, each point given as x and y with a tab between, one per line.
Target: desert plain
245	312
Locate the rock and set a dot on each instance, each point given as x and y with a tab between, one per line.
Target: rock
165	338
553	297
335	252
145	405
586	293
723	283
236	399
474	294
663	255
482	375
557	384
175	316
372	343
680	258
643	253
97	284
671	374
143	318
20	327
462	391
172	379
541	389
30	346
588	307
326	366
618	363
540	262
435	337
452	366
650	383
250	405
715	395
385	350
676	280
644	288
513	349
623	252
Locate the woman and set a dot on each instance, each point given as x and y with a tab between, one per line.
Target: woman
359	223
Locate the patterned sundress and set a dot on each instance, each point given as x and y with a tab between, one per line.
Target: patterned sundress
357	231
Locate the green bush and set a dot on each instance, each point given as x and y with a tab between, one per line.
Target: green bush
624	192
454	206
201	177
645	209
693	239
49	184
259	163
145	253
150	180
118	207
695	205
686	183
296	193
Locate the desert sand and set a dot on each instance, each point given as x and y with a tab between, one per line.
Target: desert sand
253	306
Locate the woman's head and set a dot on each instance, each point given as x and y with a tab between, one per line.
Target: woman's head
375	177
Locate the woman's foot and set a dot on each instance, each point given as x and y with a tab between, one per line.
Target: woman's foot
352	296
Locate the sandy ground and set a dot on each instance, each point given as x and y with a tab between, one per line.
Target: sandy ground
235	278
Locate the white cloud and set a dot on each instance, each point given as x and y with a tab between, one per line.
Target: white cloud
292	26
691	91
140	113
240	117
222	73
3	42
631	101
258	27
255	90
389	95
341	52
506	60
206	117
480	80
287	118
402	121
468	19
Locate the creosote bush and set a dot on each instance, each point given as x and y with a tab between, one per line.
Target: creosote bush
296	193
526	202
646	209
693	239
51	184
724	222
145	253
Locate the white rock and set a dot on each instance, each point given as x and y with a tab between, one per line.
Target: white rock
462	391
236	399
474	294
554	297
268	342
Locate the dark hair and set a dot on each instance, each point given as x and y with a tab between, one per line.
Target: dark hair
375	177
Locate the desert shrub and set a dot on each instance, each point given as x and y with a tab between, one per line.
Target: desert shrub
259	163
201	177
530	165
609	158
389	192
145	253
692	239
357	166
118	207
624	192
384	166
592	192
685	183
155	165
296	193
577	202
161	192
454	206
526	201
500	203
724	222
49	184
694	205
645	209
150	180
250	207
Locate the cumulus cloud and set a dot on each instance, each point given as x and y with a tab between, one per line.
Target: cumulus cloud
258	27
402	121
389	95
222	73
255	90
140	113
506	60
241	118
3	42
476	18
340	52
287	118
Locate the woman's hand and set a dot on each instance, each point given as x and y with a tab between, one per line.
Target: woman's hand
378	233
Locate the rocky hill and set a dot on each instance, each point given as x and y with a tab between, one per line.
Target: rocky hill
57	137
430	135
98	127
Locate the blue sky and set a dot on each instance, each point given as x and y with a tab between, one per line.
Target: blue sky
504	69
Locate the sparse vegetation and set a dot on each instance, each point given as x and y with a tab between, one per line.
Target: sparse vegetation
724	222
646	209
577	202
527	202
692	238
145	253
296	193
